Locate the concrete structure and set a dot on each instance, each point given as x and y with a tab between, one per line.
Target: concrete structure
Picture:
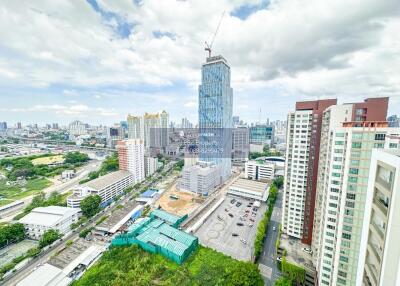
68	174
249	189
114	134
394	121
262	134
215	114
42	219
107	187
46	275
349	133
201	178
379	260
135	127
150	165
302	154
264	168
3	126
131	158
159	234
240	144
76	128
155	129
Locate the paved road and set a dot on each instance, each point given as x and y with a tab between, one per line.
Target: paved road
267	261
43	257
61	188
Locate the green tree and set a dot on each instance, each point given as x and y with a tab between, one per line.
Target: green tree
90	205
11	233
76	157
49	237
283	281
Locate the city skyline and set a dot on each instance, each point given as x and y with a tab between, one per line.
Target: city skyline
101	60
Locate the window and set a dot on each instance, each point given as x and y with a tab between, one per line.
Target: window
337	175
392	145
378	145
343	258
340	143
351	196
347	228
353	179
380	137
353	171
356	145
346	236
337	167
357	135
339	134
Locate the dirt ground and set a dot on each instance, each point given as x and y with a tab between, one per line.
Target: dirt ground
185	204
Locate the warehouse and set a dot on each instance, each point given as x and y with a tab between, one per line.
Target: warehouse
159	234
249	189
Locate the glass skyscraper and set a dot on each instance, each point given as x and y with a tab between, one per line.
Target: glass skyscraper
215	114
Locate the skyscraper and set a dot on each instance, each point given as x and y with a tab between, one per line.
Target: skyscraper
302	152
135	127
215	114
131	158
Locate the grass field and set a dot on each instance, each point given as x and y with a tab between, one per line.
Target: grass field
48	160
12	193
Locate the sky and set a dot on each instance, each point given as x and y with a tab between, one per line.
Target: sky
99	60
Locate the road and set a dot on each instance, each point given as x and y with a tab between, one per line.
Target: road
61	188
43	257
267	261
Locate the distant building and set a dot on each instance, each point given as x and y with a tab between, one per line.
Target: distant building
135	127
249	189
55	126
265	169
156	130
42	219
19	125
201	178
107	187
150	165
240	144
114	134
262	134
394	121
3	126
68	174
215	114
77	128
235	121
131	158
185	123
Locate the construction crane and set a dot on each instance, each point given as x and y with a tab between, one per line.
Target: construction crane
209	46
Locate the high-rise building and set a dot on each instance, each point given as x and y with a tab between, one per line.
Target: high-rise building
240	144
150	165
262	134
349	133
55	126
215	114
77	128
131	158
155	127
379	260
135	127
302	153
235	120
114	134
185	123
3	126
394	121
19	125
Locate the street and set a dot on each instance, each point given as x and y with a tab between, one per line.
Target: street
267	262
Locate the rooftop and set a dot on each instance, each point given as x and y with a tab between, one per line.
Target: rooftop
254	186
167	217
46	275
48	216
107	180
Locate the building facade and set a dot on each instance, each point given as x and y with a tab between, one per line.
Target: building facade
215	114
302	153
201	178
380	250
76	128
240	144
135	127
150	165
262	134
131	158
42	219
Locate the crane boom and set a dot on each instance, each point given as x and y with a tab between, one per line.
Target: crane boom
208	47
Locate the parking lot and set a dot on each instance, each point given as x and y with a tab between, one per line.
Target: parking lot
221	230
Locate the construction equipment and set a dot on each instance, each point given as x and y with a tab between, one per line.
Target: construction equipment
209	46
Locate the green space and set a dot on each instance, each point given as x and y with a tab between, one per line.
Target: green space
292	273
179	165
11	233
110	164
266	153
49	237
17	191
134	266
90	205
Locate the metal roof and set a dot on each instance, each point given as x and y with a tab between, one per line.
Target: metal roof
167	217
48	216
107	180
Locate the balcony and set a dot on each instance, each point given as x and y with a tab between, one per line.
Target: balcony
378	229
381	205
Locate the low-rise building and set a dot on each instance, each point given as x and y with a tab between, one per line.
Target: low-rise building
265	168
67	174
150	165
201	178
42	219
107	187
249	189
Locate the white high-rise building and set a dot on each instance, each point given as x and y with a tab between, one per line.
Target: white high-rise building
379	261
131	158
150	165
135	127
77	128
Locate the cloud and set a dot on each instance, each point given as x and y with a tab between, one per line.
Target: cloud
192	103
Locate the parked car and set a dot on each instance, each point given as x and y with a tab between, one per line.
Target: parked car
229	214
239	224
219	218
274	228
279	259
251	225
235	234
233	201
308	250
252	219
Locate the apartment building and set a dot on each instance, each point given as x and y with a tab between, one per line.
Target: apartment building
240	144
131	158
349	134
380	251
302	154
150	165
201	178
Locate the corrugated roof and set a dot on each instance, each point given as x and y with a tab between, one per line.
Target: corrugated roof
167	217
107	180
48	216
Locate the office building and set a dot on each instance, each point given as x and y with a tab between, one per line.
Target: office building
107	187
201	178
394	121
235	120
3	126
185	123
114	134
135	127
155	130
55	126
77	128
215	114
379	260
249	189
240	144
265	168
302	153
131	158
19	125
262	134
42	219
349	133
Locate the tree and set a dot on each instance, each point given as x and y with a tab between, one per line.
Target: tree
11	233
90	205
49	237
283	281
76	157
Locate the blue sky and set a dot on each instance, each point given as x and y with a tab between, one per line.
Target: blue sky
99	60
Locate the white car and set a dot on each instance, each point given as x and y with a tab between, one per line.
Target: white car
274	228
308	250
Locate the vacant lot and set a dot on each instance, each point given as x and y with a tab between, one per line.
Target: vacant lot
11	193
48	160
8	253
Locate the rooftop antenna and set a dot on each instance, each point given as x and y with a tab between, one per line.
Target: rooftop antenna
209	46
